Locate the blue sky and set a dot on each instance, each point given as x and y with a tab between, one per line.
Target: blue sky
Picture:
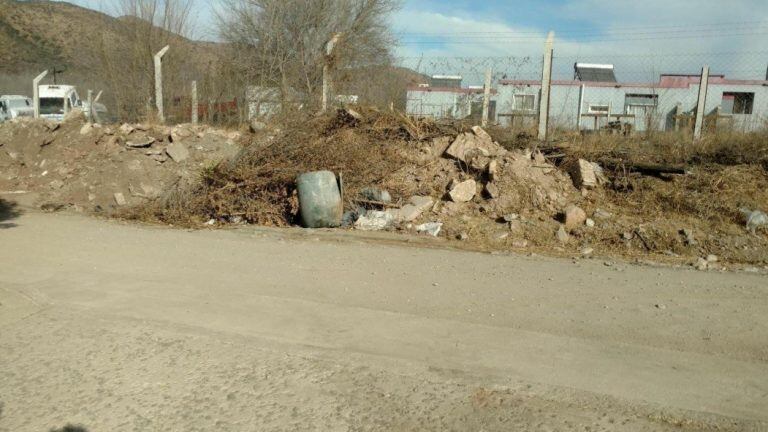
640	37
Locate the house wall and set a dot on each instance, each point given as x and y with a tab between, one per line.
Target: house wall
442	104
564	104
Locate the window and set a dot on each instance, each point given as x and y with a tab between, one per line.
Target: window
51	105
523	102
738	103
599	109
633	99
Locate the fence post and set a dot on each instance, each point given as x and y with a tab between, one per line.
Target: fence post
95	111
90	106
546	82
36	92
487	96
327	84
194	102
702	103
159	83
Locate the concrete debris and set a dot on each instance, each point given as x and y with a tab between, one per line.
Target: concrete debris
583	174
86	129
469	145
178	152
511	217
562	235
120	199
587	251
423	203
142	143
126	129
491	190
493	170
575	217
431	228
481	133
375	220
712	258
463	192
702	264
376	194
590	223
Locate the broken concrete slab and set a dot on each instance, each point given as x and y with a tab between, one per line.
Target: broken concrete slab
481	133
120	199
142	143
468	145
463	192
375	220
583	175
178	152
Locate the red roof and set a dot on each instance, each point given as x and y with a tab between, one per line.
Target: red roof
666	81
449	90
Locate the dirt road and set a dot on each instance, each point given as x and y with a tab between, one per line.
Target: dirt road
120	327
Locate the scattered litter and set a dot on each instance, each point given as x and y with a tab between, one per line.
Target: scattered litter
375	220
431	228
754	219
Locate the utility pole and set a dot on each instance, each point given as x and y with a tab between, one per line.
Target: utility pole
327	84
90	106
701	104
36	92
159	83
487	96
546	83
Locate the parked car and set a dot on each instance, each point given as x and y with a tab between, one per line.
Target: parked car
14	106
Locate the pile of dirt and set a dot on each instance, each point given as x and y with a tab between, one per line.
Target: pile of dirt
99	168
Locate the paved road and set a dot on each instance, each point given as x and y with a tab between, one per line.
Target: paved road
122	327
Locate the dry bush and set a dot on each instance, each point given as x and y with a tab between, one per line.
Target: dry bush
258	185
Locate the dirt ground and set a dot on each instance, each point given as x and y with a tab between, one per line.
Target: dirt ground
113	326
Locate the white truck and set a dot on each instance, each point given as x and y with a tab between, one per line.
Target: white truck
14	106
57	100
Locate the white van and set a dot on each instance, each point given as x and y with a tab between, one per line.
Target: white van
14	106
57	100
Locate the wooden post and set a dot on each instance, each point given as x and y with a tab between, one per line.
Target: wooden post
546	82
194	103
487	96
159	83
89	114
701	104
36	92
327	84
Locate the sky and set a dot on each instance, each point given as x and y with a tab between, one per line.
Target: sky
641	38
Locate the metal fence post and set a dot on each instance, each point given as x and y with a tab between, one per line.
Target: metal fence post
36	92
194	102
487	96
546	82
327	84
702	103
159	83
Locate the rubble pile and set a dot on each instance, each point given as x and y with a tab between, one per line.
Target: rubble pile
95	168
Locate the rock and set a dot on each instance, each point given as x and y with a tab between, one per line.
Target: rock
431	228
590	223
126	129
702	264
57	184
520	244
491	190
463	192
257	125
376	194
463	236
144	143
688	237
422	203
516	227
601	214
562	235
500	236
467	145
120	199
375	220
86	129
479	162
511	217
408	213
587	251
712	258
583	175
178	152
493	170
180	132
627	236
575	217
